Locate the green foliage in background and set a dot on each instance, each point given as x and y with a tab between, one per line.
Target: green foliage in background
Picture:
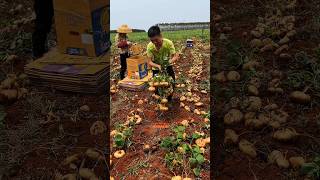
172	35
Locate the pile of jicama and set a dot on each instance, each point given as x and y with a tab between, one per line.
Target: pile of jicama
78	162
162	87
12	89
274	32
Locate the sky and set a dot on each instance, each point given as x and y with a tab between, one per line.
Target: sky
141	14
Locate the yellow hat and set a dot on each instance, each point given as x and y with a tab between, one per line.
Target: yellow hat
124	29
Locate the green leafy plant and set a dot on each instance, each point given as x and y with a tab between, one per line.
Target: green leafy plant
312	169
196	160
174	160
169	143
133	170
234	55
162	77
207	115
205	85
308	73
179	148
247	75
122	138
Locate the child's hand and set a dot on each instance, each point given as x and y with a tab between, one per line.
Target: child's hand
159	67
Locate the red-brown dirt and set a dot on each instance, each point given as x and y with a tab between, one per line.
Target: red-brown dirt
155	127
230	162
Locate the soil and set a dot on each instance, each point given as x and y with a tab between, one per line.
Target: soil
230	162
157	125
29	147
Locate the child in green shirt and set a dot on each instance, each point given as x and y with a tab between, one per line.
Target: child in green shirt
161	53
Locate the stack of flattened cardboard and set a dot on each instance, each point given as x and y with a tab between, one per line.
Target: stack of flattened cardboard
70	73
135	84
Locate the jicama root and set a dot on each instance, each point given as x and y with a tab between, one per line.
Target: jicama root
234	102
87	174
270	107
300	97
176	178
253	103
119	154
187	108
230	136
220	77
162	107
280	116
276	90
186	178
198	104
251	65
164	101
255	82
274	124
93	154
233	116
281	49
85	108
247	148
233	76
285	56
182	98
297	162
256	43
255	123
197	111
8	94
202	142
146	148
157	97
277	157
71	159
285	134
98	128
252	90
184	123
249	115
9	82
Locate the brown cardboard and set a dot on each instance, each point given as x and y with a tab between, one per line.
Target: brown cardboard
55	57
133	65
79	31
81	76
135	84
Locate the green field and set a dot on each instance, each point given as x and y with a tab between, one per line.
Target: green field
172	35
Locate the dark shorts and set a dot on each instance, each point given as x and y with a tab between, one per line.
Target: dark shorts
44	18
169	70
123	63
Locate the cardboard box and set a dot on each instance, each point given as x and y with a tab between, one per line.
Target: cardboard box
83	26
137	67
